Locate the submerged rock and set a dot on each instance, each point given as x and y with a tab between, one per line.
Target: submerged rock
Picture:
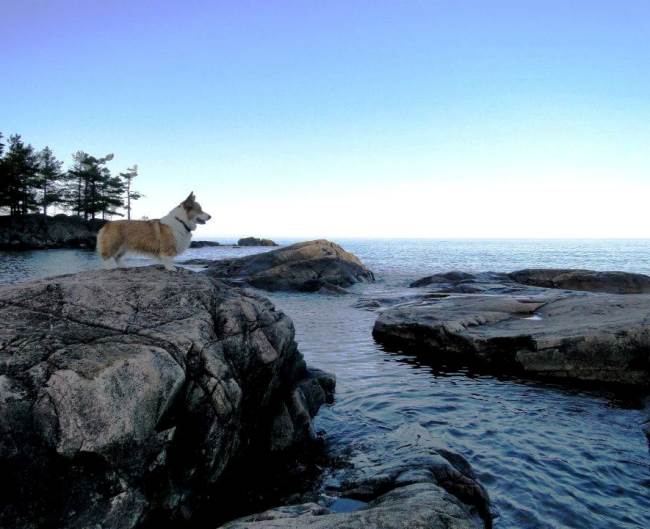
510	327
589	280
130	392
420	485
306	267
37	232
454	276
254	241
199	261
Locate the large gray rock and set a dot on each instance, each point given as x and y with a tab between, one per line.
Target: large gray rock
126	392
420	485
491	321
589	280
30	232
307	267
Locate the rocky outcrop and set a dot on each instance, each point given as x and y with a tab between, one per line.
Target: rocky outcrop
254	241
588	280
36	232
307	267
420	485
204	244
491	321
130	392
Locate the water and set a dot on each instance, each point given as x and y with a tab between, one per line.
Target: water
550	456
20	266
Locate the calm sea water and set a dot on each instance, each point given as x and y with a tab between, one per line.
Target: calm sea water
550	456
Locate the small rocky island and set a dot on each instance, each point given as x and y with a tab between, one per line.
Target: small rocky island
569	324
40	232
255	241
204	244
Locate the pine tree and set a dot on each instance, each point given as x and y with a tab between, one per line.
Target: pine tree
130	194
49	179
75	183
95	175
112	196
86	184
19	175
31	180
4	179
98	182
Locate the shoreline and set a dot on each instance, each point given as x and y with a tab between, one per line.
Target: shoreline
52	232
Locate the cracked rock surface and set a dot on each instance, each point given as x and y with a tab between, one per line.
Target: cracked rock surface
491	320
131	391
307	267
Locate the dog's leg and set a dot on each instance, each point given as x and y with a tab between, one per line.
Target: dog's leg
118	258
167	263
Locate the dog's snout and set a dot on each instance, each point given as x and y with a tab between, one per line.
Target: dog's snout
209	217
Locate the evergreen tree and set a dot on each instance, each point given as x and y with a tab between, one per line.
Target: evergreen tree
112	196
104	196
19	177
75	183
49	179
4	179
95	176
31	180
89	181
130	194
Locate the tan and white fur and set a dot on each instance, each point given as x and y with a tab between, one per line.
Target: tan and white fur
163	239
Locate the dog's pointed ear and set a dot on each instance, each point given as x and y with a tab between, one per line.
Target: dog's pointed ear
189	199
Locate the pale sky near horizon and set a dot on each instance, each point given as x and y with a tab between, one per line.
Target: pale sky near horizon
349	118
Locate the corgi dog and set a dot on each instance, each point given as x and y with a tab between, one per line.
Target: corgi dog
162	239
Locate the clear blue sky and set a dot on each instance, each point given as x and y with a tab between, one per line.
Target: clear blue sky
353	118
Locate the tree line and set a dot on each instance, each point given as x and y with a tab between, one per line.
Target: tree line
33	181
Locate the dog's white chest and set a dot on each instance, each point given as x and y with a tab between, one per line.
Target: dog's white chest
183	241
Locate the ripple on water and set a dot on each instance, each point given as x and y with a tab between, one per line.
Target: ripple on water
551	456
